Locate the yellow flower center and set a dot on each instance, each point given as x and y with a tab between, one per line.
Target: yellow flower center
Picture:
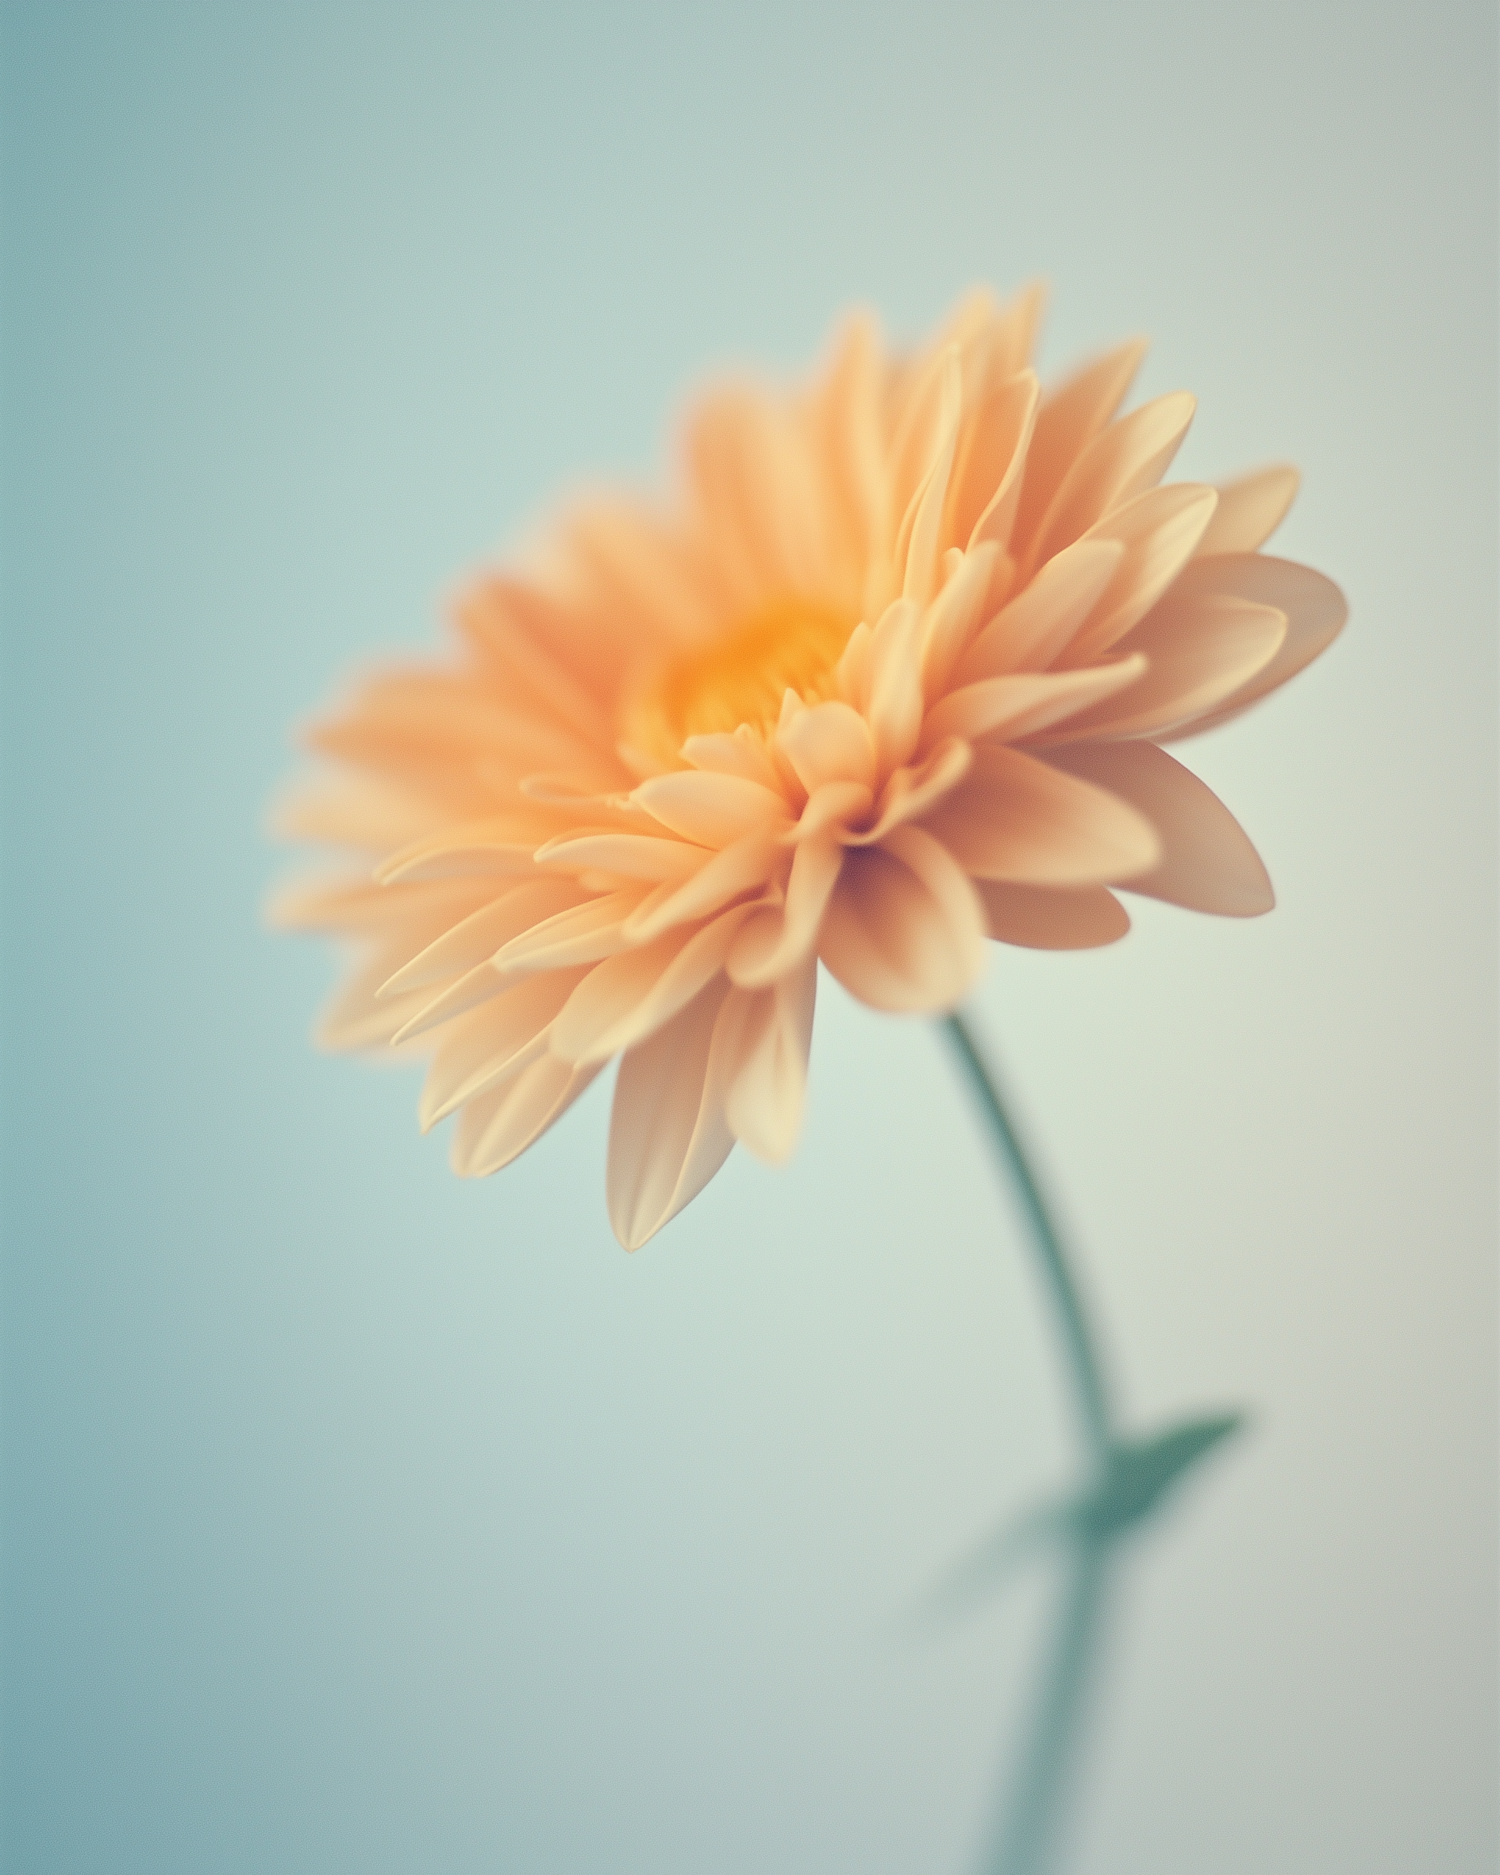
742	677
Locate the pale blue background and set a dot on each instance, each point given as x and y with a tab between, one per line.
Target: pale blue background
357	1519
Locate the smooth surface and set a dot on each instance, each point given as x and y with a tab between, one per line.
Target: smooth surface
355	1518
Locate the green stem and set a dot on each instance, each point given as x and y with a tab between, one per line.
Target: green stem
1083	1355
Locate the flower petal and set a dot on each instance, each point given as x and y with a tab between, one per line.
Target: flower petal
767	1081
496	1127
954	617
1020	819
910	792
626	997
492	1042
904	929
1027	633
987	480
1207	862
1250	510
580	934
1122	462
1200	651
1315	612
740	753
775	938
711	809
828	742
625	855
1067	421
919	573
1159	531
743	867
894	711
667	1130
1051	918
1026	702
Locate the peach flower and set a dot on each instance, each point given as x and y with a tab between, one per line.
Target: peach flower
891	677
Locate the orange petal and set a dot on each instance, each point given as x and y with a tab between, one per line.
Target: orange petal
1067	421
496	1127
1035	626
580	934
742	753
711	809
904	929
919	571
954	617
1315	612
1159	531
828	742
910	792
736	869
1250	510
1122	462
836	804
667	1131
492	1042
627	997
767	1080
1020	819
894	711
987	479
775	938
1026	702
1200	651
1207	862
1048	918
625	855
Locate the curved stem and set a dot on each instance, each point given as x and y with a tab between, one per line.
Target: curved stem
1083	1355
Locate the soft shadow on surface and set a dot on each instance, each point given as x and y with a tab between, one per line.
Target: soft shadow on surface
1026	1832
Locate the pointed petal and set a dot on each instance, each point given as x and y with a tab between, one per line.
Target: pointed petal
496	1127
1315	612
1122	462
911	792
828	742
1027	702
1020	819
1207	862
492	1042
919	575
1030	631
775	938
740	753
894	711
625	855
987	479
904	930
767	1078
954	617
1068	420
1250	510
1200	652
711	809
743	867
1159	531
667	1132
581	934
625	998
1050	918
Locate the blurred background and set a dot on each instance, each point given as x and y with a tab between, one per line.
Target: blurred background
359	1519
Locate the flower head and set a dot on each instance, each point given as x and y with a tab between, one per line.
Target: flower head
891	677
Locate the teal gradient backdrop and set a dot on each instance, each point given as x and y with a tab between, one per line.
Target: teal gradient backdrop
358	1519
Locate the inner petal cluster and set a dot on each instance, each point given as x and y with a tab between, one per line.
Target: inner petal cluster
739	678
